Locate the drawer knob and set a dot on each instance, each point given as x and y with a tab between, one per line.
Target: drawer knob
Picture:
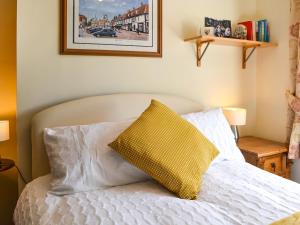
273	165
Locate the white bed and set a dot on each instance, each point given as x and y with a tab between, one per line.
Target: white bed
232	192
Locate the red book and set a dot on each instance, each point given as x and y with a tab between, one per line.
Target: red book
250	29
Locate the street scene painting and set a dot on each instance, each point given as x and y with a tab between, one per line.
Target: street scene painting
120	19
112	27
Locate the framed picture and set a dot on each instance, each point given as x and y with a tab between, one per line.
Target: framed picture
222	27
111	27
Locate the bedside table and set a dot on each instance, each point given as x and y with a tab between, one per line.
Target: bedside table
6	164
267	155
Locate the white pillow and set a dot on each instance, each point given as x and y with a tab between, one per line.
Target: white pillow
81	160
214	126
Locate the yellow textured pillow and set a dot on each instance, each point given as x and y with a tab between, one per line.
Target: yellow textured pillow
168	148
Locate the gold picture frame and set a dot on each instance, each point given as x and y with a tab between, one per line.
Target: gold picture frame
134	31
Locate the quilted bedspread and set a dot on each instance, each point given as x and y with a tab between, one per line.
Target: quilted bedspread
232	193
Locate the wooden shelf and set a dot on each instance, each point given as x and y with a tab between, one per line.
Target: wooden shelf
244	44
231	41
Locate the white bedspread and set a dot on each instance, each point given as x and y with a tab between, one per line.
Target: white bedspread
232	193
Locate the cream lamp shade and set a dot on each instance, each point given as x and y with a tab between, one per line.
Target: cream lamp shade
235	116
4	130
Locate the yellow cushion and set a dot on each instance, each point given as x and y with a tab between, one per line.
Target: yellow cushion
168	148
291	220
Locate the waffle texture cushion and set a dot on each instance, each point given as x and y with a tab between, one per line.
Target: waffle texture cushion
168	148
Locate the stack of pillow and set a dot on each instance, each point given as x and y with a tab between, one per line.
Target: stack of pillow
174	150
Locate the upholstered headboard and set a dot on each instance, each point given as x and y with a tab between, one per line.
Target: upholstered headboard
115	107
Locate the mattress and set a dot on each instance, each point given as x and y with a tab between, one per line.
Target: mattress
232	193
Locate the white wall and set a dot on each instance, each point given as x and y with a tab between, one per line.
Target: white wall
46	78
273	72
273	76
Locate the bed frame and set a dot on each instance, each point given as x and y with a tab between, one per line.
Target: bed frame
89	110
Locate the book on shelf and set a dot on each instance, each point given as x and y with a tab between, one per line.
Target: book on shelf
257	30
254	30
269	34
263	31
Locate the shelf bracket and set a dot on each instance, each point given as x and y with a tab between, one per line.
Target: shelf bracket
199	53
247	57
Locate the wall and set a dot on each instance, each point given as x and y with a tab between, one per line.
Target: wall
46	78
8	149
273	72
273	76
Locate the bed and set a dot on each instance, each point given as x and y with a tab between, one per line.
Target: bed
233	192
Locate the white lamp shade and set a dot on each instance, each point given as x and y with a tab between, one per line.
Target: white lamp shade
235	116
4	130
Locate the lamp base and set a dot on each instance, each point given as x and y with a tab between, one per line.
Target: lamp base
235	131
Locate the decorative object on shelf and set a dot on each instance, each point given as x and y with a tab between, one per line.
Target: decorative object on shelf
236	117
108	28
208	31
245	44
251	29
222	27
240	32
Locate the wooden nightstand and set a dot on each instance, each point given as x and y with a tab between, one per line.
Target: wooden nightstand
6	164
267	155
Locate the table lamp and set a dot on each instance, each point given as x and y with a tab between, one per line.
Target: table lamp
236	117
4	133
6	164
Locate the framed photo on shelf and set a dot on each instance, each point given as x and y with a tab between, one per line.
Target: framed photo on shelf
111	27
222	27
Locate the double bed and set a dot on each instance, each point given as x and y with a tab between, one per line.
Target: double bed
233	192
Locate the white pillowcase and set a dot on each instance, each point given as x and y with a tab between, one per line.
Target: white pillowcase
81	160
214	126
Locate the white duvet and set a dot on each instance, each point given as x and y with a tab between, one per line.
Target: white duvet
232	193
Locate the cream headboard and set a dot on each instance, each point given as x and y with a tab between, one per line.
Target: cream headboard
91	110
